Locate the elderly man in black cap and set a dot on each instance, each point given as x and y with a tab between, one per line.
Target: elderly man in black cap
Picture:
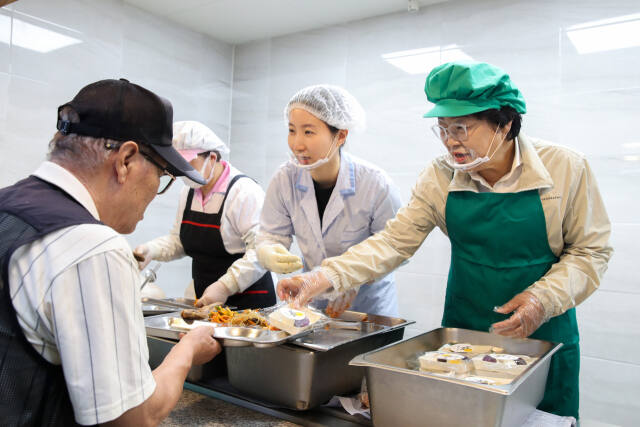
72	336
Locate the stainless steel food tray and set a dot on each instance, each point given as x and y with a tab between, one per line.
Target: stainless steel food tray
230	336
400	395
309	371
330	337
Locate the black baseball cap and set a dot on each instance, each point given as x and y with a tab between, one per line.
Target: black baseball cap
123	111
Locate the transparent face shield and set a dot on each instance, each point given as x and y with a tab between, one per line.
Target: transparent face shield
460	156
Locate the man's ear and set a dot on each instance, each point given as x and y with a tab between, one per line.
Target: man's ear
123	160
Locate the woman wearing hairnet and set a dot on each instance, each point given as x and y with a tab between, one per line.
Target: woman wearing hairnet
327	198
528	229
216	225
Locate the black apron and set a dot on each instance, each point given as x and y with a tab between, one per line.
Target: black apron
202	241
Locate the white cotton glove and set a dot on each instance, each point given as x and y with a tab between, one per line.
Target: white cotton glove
339	305
278	259
143	256
151	290
216	292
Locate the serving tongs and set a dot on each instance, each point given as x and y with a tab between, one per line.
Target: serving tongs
343	324
149	274
166	303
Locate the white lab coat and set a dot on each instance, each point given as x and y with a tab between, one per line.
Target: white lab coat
363	199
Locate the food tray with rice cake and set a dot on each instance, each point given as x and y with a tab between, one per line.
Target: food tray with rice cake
234	328
298	360
453	376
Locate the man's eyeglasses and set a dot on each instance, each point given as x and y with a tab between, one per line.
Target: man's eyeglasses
166	178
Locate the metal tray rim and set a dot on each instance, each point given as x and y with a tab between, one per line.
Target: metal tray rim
217	332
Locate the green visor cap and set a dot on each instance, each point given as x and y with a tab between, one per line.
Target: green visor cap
464	87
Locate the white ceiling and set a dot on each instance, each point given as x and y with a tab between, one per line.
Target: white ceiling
240	21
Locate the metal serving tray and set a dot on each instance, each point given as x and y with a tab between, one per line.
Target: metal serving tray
310	370
337	333
230	336
401	396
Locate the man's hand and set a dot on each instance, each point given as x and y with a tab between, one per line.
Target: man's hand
202	344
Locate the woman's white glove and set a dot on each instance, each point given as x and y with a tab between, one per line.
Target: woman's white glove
143	256
278	259
216	292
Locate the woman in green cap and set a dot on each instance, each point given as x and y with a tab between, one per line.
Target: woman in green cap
528	229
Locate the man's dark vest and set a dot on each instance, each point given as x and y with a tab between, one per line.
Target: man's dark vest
32	390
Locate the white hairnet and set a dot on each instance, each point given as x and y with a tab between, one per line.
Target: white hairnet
191	137
331	104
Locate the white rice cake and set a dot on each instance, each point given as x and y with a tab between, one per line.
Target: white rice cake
179	323
502	363
438	361
294	321
470	349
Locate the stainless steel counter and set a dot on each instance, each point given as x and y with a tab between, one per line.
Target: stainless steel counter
218	392
195	409
200	406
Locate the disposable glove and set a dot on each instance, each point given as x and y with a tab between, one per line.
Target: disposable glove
301	289
142	255
528	315
216	292
278	259
342	303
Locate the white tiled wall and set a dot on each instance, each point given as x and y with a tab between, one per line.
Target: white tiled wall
590	102
116	40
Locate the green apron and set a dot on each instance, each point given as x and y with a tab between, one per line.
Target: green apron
499	247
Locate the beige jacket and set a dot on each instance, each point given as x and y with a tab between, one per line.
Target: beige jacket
578	227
